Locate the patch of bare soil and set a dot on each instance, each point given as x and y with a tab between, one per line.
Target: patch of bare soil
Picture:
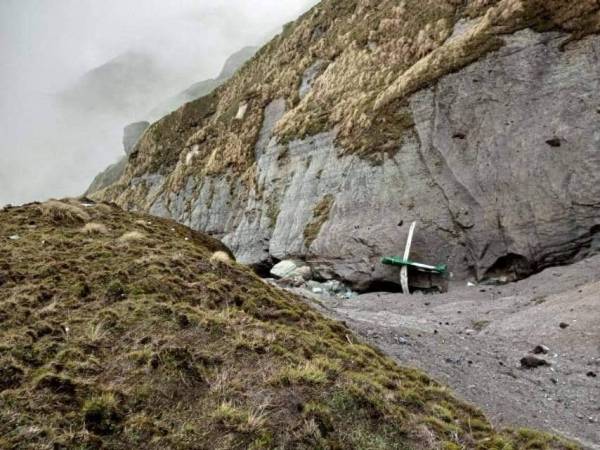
473	338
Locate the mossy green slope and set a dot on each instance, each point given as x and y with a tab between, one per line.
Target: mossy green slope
120	330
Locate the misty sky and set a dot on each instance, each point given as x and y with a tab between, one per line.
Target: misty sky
47	45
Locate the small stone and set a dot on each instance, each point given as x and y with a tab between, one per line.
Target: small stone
333	286
401	340
295	281
533	362
591	374
317	290
540	349
554	380
469	332
564	325
14	237
304	272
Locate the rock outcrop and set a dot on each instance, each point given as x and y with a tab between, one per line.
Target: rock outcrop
479	120
133	132
131	136
108	176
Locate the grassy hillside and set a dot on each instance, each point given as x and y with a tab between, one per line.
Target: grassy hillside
120	330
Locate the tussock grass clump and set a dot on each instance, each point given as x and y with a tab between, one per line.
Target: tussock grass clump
101	414
238	419
11	374
309	373
55	383
132	236
64	212
221	257
153	345
94	228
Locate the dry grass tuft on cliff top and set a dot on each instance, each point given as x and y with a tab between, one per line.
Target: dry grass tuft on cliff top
160	343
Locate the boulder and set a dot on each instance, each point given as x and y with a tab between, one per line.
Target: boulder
290	269
540	349
533	362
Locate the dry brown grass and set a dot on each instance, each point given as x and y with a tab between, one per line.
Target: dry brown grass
132	236
320	216
220	257
103	208
94	228
64	212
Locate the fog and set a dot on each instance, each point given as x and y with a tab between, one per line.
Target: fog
51	148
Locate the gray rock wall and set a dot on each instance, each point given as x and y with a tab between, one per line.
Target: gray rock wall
502	172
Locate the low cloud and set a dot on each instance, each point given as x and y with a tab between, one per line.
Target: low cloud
48	150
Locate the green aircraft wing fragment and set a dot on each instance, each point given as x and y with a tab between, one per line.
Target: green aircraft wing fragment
398	261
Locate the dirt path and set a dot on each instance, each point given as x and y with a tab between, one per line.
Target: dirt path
473	339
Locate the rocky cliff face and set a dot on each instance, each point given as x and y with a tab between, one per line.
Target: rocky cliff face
479	120
131	136
134	131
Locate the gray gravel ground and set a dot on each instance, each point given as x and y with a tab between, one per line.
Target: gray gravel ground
473	338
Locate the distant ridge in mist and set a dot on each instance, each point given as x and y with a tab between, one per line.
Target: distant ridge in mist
202	88
126	84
